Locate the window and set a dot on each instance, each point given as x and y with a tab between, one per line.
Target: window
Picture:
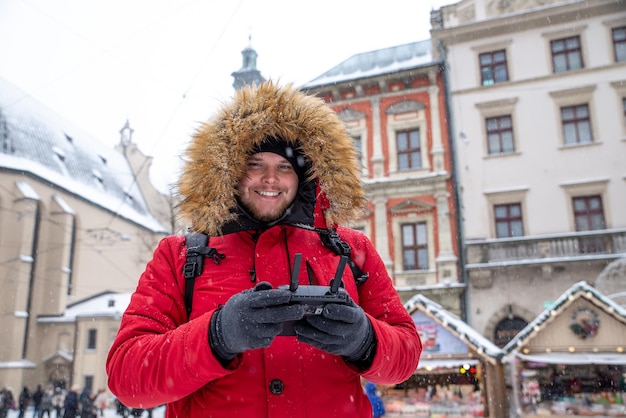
589	216
91	339
588	213
356	141
88	382
500	135
493	67
508	219
358	145
408	148
619	43
566	54
576	125
415	246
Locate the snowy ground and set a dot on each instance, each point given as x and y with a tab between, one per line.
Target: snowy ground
108	413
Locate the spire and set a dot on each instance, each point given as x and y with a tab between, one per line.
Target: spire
248	73
126	134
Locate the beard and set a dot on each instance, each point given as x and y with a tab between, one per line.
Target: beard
265	215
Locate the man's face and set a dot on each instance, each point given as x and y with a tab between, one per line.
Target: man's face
268	187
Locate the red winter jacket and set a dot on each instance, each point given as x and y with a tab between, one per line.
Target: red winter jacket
162	358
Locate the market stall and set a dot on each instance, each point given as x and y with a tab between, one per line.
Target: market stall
459	374
570	360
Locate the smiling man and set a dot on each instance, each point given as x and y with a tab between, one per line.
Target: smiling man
270	179
270	183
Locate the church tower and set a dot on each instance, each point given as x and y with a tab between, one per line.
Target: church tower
248	73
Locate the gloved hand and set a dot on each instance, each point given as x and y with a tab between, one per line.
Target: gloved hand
251	319
341	329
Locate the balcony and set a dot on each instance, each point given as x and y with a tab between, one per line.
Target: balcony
606	244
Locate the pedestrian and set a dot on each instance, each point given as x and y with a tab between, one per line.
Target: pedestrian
84	401
120	408
378	407
7	401
58	400
71	403
87	404
37	397
46	402
23	402
101	401
271	179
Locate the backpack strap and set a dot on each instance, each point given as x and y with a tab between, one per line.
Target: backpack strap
197	250
332	240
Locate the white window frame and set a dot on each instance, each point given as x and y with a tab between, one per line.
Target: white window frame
574	97
403	122
496	108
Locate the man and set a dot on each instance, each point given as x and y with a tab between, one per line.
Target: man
23	402
71	402
270	175
37	397
58	400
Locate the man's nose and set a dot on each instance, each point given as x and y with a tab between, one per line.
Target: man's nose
270	175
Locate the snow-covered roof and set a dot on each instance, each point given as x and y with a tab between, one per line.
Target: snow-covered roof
108	303
36	141
378	62
456	325
577	291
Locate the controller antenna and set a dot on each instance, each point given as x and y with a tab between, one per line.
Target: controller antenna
297	259
334	285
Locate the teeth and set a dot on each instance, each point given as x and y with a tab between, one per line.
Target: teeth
268	194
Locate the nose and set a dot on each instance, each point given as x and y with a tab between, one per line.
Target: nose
270	175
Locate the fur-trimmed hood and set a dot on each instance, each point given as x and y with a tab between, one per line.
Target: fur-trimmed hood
216	157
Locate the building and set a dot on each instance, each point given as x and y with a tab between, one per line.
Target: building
538	117
248	74
76	222
394	106
570	359
462	368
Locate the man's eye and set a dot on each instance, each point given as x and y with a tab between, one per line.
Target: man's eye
286	167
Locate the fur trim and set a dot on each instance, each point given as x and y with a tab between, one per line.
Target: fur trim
216	156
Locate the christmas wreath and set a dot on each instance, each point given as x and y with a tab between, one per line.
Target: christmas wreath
584	323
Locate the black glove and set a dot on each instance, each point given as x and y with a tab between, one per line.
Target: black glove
341	329
251	319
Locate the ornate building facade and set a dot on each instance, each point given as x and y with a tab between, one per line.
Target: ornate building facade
538	116
394	106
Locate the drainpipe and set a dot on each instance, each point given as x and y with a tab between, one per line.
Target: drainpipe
70	265
31	279
460	236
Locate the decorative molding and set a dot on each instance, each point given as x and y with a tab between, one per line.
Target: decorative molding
405	106
350	114
496	104
578	91
411	206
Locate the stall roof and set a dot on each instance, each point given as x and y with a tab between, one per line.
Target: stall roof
579	290
443	365
454	324
574	358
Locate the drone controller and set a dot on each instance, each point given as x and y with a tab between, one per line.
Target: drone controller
312	297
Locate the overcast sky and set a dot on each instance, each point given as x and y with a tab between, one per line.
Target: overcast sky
166	64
